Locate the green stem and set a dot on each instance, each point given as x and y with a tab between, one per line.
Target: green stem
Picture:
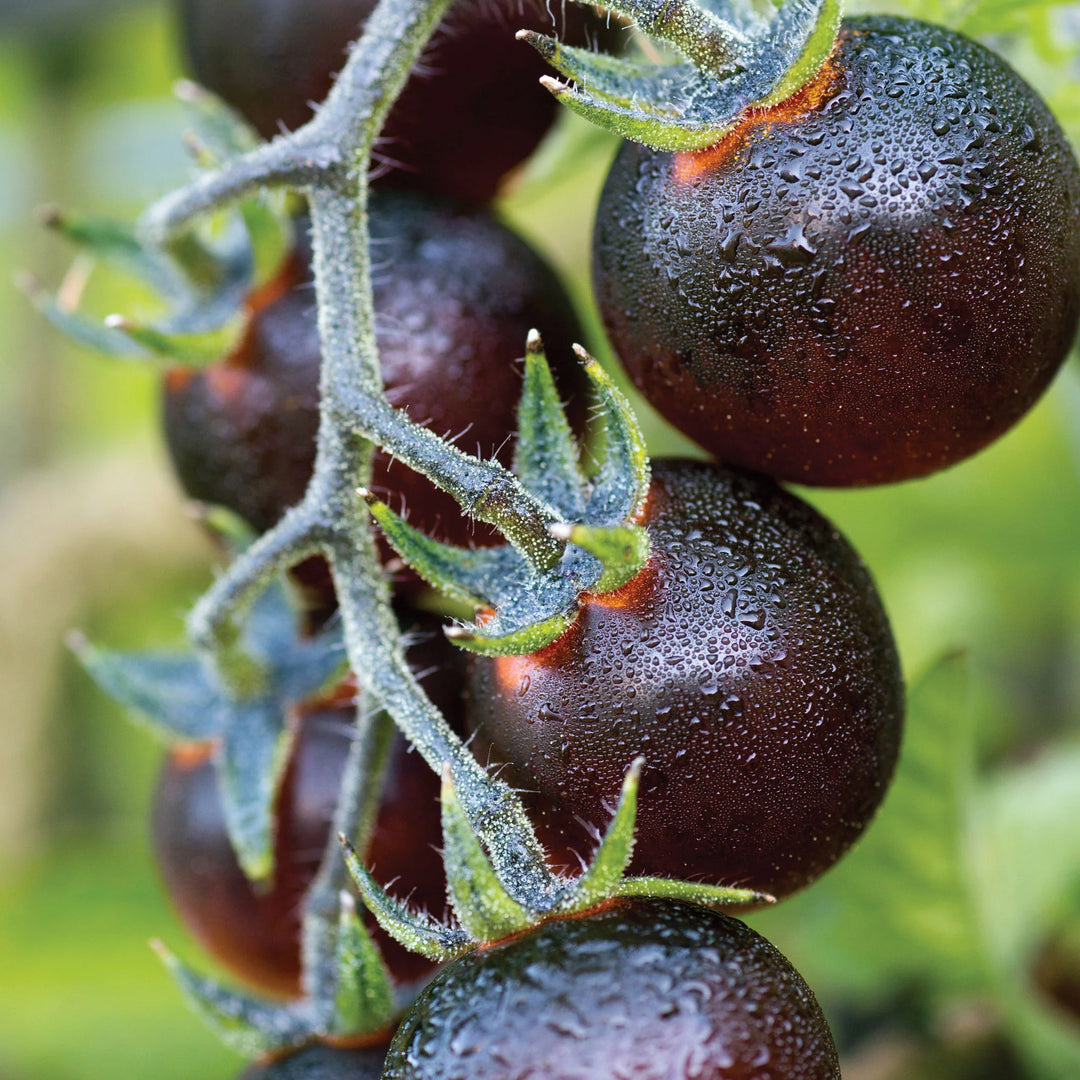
329	159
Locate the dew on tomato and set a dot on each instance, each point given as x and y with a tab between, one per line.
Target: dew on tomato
868	283
472	111
455	296
254	932
752	666
649	989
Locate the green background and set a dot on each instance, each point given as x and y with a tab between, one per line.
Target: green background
922	945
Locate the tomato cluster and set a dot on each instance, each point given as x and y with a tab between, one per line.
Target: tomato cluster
864	283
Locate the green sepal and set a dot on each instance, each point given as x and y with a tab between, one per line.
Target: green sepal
518	642
219	129
471	576
816	47
735	63
691	892
546	459
170	692
622	550
418	932
604	874
249	1026
89	333
482	905
622	485
116	244
255	748
364	999
186	350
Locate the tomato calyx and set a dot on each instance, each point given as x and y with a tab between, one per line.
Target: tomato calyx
518	607
737	59
485	912
204	280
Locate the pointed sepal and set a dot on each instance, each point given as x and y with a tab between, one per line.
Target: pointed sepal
417	931
604	875
192	350
170	692
481	903
364	999
622	485
255	746
89	333
471	576
546	459
519	641
219	129
116	244
692	892
622	550
252	1027
735	64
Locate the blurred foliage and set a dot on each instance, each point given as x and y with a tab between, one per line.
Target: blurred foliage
944	946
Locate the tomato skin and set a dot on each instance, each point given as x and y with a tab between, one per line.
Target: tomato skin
473	110
255	933
866	284
752	666
319	1062
455	296
653	990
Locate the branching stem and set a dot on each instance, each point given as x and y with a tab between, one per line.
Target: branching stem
329	160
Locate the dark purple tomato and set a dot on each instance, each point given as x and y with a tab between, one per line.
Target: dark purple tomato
455	296
320	1062
750	663
643	989
255	933
472	111
867	283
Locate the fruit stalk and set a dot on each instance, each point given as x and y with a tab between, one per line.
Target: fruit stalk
329	159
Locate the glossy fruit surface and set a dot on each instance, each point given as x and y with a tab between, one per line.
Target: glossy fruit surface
867	283
644	989
455	296
752	666
321	1063
253	932
472	111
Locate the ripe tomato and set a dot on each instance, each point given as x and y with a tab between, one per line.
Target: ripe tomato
253	932
866	283
473	110
455	296
320	1062
644	988
750	663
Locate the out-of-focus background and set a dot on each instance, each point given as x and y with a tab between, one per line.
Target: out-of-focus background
946	946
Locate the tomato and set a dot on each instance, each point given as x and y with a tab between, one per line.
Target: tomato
455	295
321	1063
256	933
867	283
473	110
750	663
644	988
